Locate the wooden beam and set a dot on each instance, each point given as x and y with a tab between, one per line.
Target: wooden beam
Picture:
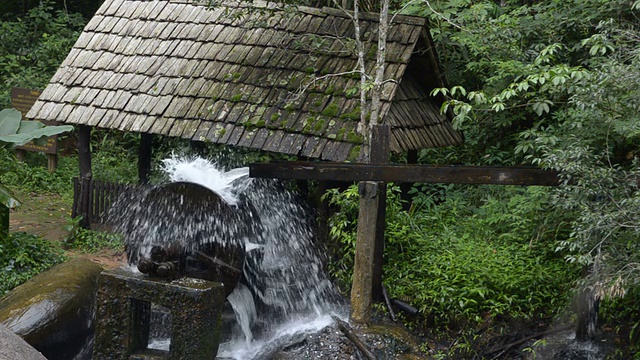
405	173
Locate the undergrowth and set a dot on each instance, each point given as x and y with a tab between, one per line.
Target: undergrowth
464	256
22	256
90	241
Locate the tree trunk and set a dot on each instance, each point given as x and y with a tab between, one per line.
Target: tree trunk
367	271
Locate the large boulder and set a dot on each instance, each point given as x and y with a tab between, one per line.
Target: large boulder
13	347
54	311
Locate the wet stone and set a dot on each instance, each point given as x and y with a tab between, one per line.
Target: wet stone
124	308
13	347
54	311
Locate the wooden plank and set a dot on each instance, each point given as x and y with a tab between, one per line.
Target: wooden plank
343	151
273	142
235	136
247	138
260	138
309	145
405	173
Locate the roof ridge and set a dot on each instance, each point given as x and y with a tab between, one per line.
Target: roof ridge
325	10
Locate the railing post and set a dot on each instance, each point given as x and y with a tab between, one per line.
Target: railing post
84	159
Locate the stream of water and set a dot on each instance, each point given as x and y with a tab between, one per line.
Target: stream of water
284	292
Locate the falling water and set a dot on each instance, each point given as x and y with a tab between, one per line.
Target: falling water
244	307
283	286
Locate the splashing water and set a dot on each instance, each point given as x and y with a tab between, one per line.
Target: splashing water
203	172
283	279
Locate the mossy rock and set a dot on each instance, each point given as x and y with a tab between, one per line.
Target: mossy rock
54	311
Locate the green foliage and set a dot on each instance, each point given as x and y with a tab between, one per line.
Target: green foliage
462	255
512	67
15	132
596	145
23	256
32	175
91	241
32	47
6	198
115	155
623	316
553	84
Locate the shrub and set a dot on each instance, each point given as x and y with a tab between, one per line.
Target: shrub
465	256
22	256
90	241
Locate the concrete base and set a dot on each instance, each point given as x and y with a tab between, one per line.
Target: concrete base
123	312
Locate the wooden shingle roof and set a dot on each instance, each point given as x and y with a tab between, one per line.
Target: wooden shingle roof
265	79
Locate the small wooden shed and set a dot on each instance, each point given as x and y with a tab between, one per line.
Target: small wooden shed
274	79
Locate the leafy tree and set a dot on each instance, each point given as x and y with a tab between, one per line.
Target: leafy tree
32	47
598	150
554	84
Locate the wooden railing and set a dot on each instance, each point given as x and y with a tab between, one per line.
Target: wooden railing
93	198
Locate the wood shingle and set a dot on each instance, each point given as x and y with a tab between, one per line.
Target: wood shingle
280	80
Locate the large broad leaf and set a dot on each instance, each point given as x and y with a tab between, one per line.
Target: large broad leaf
22	138
15	132
28	126
7	199
41	135
9	121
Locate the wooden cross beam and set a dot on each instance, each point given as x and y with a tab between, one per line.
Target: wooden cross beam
367	278
350	172
367	270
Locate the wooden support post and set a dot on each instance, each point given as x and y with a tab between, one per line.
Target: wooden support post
367	270
144	158
52	162
84	158
362	283
381	138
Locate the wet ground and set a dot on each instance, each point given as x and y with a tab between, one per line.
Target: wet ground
48	216
383	342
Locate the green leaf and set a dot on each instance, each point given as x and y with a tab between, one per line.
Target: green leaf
28	126
9	121
7	199
32	130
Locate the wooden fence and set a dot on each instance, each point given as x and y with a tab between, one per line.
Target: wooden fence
101	196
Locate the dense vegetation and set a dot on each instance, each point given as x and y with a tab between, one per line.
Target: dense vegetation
550	84
461	259
547	83
22	256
